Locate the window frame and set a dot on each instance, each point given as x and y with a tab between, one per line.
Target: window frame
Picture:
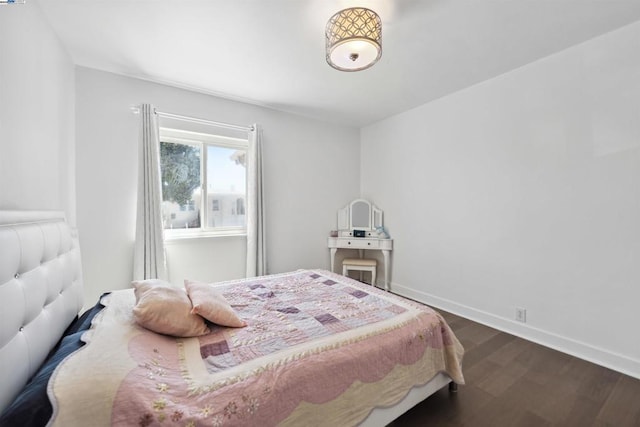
202	141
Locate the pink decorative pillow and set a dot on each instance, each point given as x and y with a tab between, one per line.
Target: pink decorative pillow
166	309
142	286
212	305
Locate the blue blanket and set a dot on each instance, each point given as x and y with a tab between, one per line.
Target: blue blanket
32	406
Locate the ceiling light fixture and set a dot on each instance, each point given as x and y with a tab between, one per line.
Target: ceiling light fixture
353	39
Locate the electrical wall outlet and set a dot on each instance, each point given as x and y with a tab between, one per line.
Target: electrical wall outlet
521	314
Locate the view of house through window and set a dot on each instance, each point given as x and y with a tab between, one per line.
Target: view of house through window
204	180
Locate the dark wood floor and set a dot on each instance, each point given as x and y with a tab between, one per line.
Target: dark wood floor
514	382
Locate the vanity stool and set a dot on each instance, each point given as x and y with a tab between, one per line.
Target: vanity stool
360	264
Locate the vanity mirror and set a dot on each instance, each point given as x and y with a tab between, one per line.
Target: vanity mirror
360	214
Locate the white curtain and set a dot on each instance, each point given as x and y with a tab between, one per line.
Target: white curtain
256	246
149	257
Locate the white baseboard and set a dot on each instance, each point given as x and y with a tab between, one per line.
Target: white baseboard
599	356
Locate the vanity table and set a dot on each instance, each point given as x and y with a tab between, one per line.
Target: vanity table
357	223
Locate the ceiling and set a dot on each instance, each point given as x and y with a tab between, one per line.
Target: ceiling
271	52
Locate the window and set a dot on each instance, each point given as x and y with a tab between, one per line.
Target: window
204	183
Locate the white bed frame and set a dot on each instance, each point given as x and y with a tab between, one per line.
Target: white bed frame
383	416
41	293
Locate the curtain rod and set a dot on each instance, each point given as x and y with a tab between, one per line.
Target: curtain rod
136	109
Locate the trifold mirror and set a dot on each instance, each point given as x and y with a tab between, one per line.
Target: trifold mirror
360	214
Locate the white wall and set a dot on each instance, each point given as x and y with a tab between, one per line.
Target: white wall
524	191
309	173
36	114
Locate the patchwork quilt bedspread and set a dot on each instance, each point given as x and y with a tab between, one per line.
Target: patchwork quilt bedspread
319	349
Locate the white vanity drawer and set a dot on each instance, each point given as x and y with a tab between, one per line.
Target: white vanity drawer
361	243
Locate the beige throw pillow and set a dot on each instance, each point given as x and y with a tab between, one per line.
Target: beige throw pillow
212	305
142	286
166	309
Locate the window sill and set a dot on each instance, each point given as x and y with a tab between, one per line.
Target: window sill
178	236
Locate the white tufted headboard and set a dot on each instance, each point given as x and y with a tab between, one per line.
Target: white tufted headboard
40	292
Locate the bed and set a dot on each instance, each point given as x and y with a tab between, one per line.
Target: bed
318	348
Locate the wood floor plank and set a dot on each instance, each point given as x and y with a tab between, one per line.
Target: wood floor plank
475	333
513	382
508	352
502	379
583	413
480	371
487	348
561	398
507	410
546	364
623	404
468	406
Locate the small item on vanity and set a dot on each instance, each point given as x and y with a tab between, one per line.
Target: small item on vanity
382	233
358	233
333	233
